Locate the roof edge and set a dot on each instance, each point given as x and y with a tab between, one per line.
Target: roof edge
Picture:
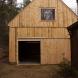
69	8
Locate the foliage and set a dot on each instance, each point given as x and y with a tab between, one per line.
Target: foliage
66	70
7	11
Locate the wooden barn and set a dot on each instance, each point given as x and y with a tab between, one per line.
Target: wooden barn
38	34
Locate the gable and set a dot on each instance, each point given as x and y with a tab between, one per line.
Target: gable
30	16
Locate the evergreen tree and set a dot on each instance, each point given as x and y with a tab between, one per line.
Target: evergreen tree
8	10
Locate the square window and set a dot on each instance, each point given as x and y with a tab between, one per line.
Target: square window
47	14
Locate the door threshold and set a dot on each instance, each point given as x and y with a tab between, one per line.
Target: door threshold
23	63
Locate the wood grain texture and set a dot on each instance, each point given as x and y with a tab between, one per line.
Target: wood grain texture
54	50
42	33
12	45
53	35
31	15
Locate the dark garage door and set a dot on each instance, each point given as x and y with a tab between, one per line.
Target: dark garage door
29	52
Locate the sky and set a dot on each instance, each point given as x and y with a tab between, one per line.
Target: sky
70	3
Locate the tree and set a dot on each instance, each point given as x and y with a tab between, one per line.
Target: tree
26	2
8	10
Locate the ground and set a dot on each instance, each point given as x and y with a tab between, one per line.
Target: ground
26	71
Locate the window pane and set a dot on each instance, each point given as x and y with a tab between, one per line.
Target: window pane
47	14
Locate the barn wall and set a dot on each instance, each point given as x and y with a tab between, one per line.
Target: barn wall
42	32
31	15
54	50
54	37
50	43
51	39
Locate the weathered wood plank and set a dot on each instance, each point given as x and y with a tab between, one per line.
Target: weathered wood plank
12	45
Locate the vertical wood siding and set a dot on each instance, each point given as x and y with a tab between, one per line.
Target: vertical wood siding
42	32
12	45
54	37
31	15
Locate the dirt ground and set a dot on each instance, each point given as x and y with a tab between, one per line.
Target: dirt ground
25	71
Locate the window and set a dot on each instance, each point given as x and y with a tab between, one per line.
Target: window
47	14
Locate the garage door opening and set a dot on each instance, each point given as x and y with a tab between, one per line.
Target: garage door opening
29	52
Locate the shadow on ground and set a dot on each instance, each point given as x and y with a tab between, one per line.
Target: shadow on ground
37	71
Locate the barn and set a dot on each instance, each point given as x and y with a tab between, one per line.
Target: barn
38	34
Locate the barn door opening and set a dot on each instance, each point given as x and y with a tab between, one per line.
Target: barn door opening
29	52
